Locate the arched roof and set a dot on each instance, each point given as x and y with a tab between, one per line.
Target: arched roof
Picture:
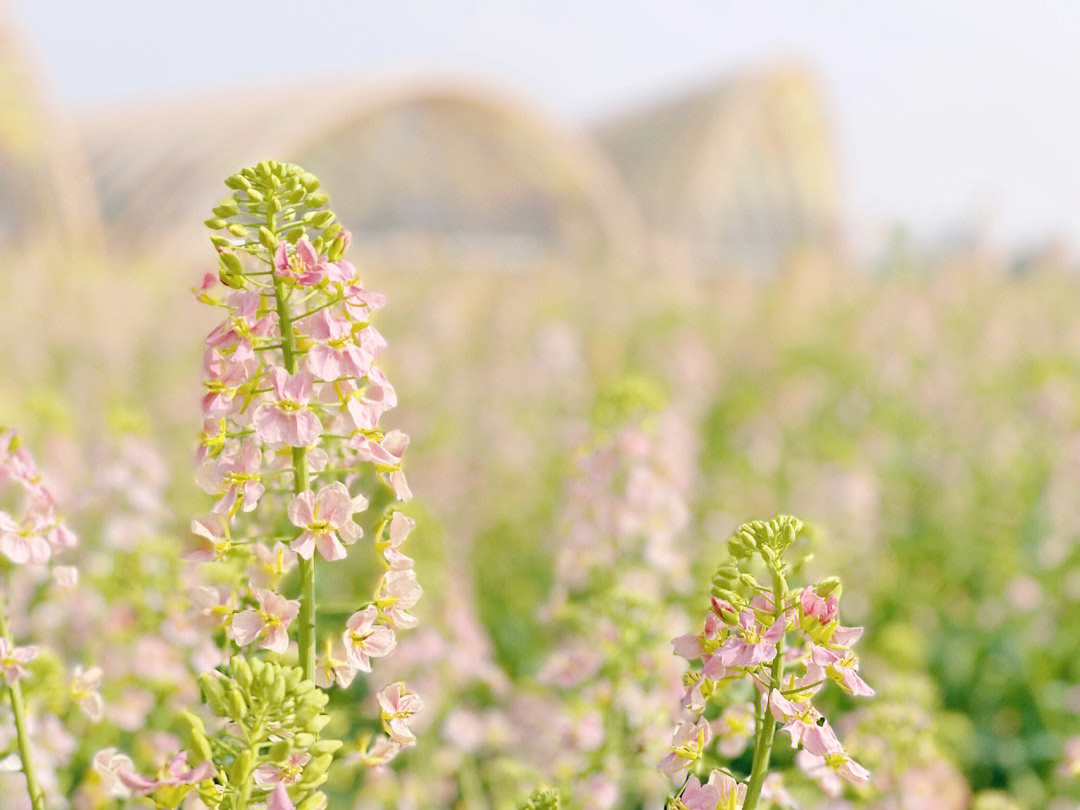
45	188
742	170
447	157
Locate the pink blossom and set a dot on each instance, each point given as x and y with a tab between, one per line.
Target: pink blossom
398	529
721	792
287	418
364	639
279	798
288	772
687	744
174	774
86	691
233	478
28	541
108	763
224	378
323	517
329	669
359	302
754	645
270	621
215	603
214	542
13	660
305	265
242	327
397	592
335	353
397	705
825	610
270	564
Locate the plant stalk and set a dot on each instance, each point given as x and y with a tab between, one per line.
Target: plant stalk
18	712
306	618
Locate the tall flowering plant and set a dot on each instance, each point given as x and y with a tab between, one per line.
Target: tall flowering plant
32	535
294	456
785	642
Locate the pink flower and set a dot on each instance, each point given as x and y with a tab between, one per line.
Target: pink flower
13	660
233	478
754	645
305	265
240	329
329	669
224	377
397	705
86	691
398	529
721	792
214	542
279	798
323	517
397	592
270	564
287	418
174	774
687	744
270	621
108	763
825	610
386	456
286	773
364	639
215	603
28	541
335	353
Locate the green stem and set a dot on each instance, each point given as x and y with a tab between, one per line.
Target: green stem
18	712
766	730
306	619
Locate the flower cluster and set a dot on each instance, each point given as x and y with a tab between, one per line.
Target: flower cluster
787	643
32	534
618	584
294	456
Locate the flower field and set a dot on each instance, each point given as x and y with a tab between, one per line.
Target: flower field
228	585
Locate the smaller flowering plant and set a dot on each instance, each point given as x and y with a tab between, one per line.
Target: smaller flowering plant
787	643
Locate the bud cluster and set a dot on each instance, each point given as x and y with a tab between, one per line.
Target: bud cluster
787	643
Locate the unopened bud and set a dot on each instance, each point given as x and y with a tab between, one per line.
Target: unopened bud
266	236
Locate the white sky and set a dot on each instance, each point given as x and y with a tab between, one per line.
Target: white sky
945	112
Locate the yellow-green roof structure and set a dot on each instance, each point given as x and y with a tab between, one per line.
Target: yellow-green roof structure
739	173
450	164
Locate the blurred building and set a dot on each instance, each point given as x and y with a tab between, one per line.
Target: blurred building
430	172
421	170
738	174
45	188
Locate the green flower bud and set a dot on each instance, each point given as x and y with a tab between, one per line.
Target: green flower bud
234	701
326	747
336	249
266	236
322	218
316	801
280	751
309	181
226	209
241	768
236	229
198	744
829	586
274	205
304	740
214	224
213	693
293	678
317	200
238	182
